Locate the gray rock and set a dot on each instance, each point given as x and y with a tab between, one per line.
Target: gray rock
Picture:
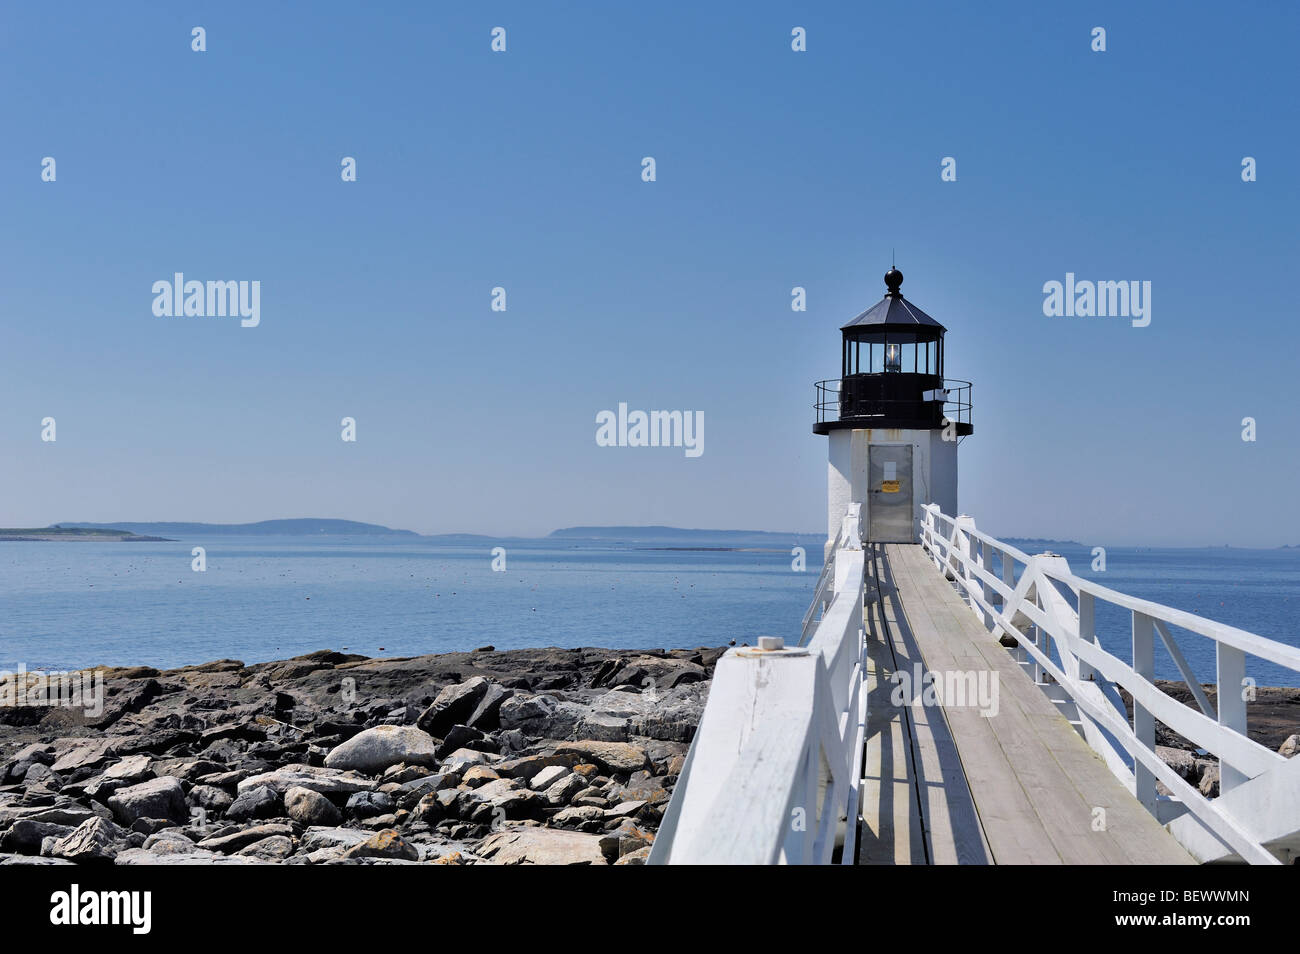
604	727
24	837
543	846
311	808
563	791
586	817
632	838
376	749
93	840
463	737
32	860
613	757
169	842
157	798
625	809
321	839
477	775
260	802
547	777
36	752
326	781
384	844
1291	747
638	857
81	753
38	774
405	773
487	715
542	716
138	856
642	786
1180	760
528	766
409	793
435	806
275	848
71	815
1209	786
671	715
509	798
369	804
454	704
462	759
130	770
228	844
210	797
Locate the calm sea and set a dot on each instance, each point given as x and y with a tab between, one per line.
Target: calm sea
68	605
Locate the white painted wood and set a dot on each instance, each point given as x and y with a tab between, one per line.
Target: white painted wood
1267	808
1231	678
1171	645
1091	675
773	773
1144	723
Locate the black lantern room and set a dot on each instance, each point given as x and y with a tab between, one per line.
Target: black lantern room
891	372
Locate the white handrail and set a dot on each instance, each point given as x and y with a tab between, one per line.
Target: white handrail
1016	603
773	771
848	537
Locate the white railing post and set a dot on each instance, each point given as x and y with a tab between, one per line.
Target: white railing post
986	591
851	531
1144	722
1087	630
964	541
773	772
1256	817
1231	677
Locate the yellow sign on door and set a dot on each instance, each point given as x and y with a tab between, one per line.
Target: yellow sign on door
889	487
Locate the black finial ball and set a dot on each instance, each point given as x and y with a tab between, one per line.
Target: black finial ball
894	279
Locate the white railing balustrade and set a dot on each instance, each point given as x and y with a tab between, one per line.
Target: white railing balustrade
772	774
1257	815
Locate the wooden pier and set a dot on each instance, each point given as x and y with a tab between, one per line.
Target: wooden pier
950	702
949	784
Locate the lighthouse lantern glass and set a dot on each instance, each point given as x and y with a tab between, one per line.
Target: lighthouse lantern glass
893	358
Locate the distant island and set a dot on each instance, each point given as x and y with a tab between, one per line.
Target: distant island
640	537
164	531
76	534
640	534
1039	541
305	526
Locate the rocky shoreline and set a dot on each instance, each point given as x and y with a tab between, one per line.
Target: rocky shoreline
543	756
549	756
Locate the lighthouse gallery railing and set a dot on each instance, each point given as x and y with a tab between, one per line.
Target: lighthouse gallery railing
1025	597
772	774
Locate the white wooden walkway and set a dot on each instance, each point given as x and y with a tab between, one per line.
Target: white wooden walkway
947	784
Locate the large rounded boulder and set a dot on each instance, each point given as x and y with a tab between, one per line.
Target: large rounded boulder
376	749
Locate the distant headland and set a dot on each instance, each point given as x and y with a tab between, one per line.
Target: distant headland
304	526
75	534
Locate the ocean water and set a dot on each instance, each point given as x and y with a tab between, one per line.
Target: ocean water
68	605
74	604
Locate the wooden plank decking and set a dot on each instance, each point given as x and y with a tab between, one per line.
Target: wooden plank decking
947	784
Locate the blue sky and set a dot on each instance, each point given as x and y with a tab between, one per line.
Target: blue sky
522	169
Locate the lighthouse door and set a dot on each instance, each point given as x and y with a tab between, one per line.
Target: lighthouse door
889	504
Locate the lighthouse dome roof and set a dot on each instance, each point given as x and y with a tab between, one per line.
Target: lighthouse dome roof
893	311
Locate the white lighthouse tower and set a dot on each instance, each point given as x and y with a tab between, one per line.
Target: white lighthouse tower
893	420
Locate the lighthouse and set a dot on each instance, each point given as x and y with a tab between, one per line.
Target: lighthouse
893	419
